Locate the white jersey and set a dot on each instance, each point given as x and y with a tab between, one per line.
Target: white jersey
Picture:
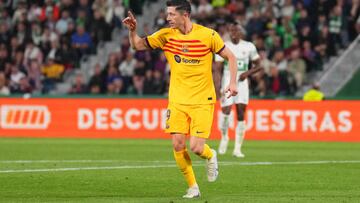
244	52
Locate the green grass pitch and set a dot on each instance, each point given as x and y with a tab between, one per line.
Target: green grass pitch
99	170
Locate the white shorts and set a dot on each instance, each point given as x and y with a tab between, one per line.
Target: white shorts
241	98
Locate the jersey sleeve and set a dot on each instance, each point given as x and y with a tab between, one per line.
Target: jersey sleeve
157	39
217	44
218	58
253	52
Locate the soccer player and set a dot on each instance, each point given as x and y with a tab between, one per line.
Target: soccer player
189	49
244	52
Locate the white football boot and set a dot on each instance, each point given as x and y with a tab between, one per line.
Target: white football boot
193	192
212	167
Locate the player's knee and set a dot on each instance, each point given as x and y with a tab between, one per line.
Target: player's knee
240	117
197	149
226	110
178	146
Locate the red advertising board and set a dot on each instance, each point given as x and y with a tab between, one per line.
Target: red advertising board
145	118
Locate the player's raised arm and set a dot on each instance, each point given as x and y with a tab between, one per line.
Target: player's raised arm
136	42
228	55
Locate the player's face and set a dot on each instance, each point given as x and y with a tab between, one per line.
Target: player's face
235	33
175	18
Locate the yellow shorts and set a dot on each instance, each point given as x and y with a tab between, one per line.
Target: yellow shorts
194	120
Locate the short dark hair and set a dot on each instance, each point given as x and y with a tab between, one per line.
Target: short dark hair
181	5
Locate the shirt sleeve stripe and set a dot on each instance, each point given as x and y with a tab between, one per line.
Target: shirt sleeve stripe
220	50
147	42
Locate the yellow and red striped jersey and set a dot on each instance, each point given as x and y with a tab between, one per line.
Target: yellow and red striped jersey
190	57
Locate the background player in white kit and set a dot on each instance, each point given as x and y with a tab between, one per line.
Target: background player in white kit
244	52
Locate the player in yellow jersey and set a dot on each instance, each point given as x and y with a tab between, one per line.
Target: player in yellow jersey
189	50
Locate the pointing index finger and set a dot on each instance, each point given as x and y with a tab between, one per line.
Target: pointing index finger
131	15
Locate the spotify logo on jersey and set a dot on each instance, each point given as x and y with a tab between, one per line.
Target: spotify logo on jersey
177	58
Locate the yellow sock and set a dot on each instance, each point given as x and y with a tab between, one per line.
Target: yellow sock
184	163
207	153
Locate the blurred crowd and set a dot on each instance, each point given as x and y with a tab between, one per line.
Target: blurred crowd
41	40
293	37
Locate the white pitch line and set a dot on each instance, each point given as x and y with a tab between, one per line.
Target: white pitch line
173	165
78	161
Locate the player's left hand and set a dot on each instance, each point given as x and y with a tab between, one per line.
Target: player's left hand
130	22
231	90
243	76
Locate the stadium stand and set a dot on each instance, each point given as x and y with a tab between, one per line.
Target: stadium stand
79	46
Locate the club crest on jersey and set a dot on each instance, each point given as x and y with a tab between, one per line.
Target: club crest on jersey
185	48
177	58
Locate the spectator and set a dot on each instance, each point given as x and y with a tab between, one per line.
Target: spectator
259	83
32	52
160	20
83	19
265	63
118	86
81	41
4	33
138	78
204	7
19	13
34	12
4	57
79	86
34	75
22	33
297	67
18	60
274	81
335	26
148	82
158	82
303	21
23	87
15	77
85	6
36	33
4	90
255	24
70	6
67	56
127	68
295	44
96	81
62	24
324	45
53	52
47	37
95	89
306	35
119	12
309	56
112	75
100	30
50	11
53	73
66	38
288	9
321	23
160	63
280	60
